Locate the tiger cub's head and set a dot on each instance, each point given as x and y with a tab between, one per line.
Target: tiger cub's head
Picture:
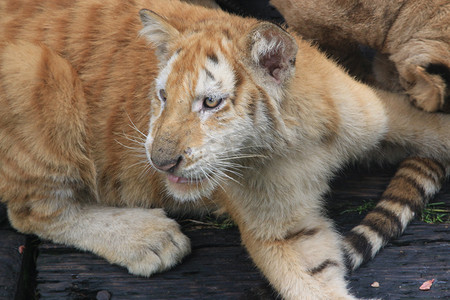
216	99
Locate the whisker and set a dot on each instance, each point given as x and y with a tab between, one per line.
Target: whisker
141	162
137	140
247	156
202	202
233	172
227	176
221	173
231	165
209	177
148	169
131	148
134	125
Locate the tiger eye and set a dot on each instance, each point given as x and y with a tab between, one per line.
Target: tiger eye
162	95
210	103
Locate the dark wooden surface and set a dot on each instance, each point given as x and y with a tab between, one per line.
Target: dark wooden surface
219	267
11	258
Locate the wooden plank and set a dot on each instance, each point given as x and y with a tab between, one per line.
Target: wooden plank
219	267
421	254
225	271
11	260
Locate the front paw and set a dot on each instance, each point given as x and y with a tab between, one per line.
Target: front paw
143	241
159	250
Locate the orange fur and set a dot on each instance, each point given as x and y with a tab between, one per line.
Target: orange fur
104	120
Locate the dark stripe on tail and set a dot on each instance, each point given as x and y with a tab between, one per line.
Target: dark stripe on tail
416	181
384	222
432	165
434	168
419	169
415	206
405	190
410	181
360	244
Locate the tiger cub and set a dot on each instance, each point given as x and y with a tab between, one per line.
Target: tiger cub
406	62
111	111
412	37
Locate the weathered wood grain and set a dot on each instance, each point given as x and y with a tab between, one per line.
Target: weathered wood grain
218	266
11	259
422	253
225	271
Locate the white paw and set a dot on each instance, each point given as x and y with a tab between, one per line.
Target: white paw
144	241
157	249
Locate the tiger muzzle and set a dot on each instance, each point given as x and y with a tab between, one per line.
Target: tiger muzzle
165	156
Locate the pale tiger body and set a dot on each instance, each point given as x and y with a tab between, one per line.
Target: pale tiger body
103	121
415	38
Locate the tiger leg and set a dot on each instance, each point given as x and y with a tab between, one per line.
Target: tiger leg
416	181
47	176
304	265
144	241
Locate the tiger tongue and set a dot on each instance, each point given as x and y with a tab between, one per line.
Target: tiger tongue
176	179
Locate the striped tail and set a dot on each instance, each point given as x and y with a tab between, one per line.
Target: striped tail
415	182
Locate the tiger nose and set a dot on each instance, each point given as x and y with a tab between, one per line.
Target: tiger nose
167	165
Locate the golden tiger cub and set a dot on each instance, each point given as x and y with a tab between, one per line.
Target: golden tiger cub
112	110
412	40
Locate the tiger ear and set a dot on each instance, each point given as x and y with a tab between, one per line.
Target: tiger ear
158	31
273	51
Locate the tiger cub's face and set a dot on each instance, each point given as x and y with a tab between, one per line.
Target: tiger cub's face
207	113
196	128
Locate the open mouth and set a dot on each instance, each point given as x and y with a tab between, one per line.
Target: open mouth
182	180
